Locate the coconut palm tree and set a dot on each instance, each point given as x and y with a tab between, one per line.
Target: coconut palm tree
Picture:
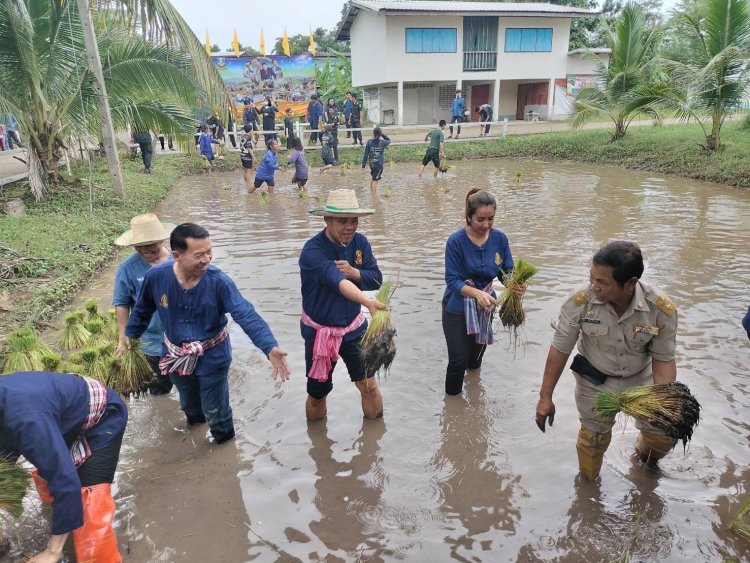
627	89
713	73
46	83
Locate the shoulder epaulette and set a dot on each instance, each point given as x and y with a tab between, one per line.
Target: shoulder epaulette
666	305
581	298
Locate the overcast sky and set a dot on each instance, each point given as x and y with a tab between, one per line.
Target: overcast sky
221	17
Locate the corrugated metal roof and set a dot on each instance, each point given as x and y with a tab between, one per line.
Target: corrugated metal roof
428	7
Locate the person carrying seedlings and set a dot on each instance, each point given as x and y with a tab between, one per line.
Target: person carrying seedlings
626	333
458	109
375	155
268	167
436	149
70	429
475	256
336	265
205	143
146	235
247	156
193	298
301	170
485	118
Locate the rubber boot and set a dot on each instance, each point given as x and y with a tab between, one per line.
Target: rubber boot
591	447
41	487
96	541
652	447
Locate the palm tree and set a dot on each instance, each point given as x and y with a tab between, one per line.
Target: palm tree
46	83
627	89
713	75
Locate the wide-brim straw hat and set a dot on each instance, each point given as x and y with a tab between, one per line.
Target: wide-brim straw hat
145	229
341	203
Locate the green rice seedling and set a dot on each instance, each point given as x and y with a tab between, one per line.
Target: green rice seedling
14	484
388	192
668	406
741	522
519	177
264	196
24	351
92	309
51	362
130	373
72	367
94	365
378	346
511	303
110	326
75	335
444	166
97	338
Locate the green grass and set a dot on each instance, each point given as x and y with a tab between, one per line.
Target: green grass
667	149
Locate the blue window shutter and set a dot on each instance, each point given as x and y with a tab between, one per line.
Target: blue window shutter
413	40
448	40
528	40
430	40
544	39
512	40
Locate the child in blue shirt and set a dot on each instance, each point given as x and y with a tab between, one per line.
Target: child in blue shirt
268	166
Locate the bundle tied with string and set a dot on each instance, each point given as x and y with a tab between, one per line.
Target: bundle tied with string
511	303
130	373
14	484
75	335
25	351
670	407
378	345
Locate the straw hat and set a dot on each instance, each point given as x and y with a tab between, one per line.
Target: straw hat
341	203
145	229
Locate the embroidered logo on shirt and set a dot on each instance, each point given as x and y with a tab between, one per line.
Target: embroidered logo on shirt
647	329
358	257
163	301
497	258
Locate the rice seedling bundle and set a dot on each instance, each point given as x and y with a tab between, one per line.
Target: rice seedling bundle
444	166
75	335
72	367
51	362
93	310
511	309
25	350
97	338
110	326
94	365
741	522
388	191
378	346
14	484
668	406
130	373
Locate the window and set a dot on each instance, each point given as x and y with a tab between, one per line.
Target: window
430	40
480	43
528	40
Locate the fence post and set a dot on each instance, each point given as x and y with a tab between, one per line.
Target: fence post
505	127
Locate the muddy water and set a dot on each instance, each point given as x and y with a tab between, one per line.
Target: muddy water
468	478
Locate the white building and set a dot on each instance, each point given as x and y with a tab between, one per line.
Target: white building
410	56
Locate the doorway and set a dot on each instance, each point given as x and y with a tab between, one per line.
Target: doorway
480	94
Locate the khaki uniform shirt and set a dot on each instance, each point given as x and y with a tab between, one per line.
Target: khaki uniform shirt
619	346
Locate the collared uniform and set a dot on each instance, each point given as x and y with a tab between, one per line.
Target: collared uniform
622	347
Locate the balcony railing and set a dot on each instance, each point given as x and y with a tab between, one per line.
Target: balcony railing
480	60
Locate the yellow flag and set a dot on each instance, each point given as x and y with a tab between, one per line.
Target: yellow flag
262	43
236	44
312	44
285	44
208	45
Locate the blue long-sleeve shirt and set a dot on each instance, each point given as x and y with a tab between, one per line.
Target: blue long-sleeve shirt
465	260
41	414
198	313
374	151
458	106
314	113
746	322
205	141
321	297
347	108
268	166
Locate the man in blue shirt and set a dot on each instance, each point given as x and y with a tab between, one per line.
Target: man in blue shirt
193	299
70	429
375	155
314	113
146	235
458	109
348	113
336	265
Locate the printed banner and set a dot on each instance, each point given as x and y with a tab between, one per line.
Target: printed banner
578	81
289	81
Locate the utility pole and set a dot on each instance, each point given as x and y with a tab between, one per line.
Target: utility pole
102	102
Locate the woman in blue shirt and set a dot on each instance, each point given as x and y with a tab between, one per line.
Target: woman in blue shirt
474	256
268	166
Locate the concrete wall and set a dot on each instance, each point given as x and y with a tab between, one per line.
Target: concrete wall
582	64
367	34
534	65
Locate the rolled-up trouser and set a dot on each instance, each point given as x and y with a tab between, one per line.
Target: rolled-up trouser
206	396
586	397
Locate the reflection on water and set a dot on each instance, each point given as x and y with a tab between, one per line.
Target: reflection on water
472	479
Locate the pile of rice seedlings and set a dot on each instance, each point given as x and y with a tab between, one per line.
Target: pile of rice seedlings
97	338
14	484
130	373
378	346
511	309
75	335
94	364
741	522
668	406
25	350
93	311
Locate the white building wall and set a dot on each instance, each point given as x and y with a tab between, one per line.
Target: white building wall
519	66
582	64
367	35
